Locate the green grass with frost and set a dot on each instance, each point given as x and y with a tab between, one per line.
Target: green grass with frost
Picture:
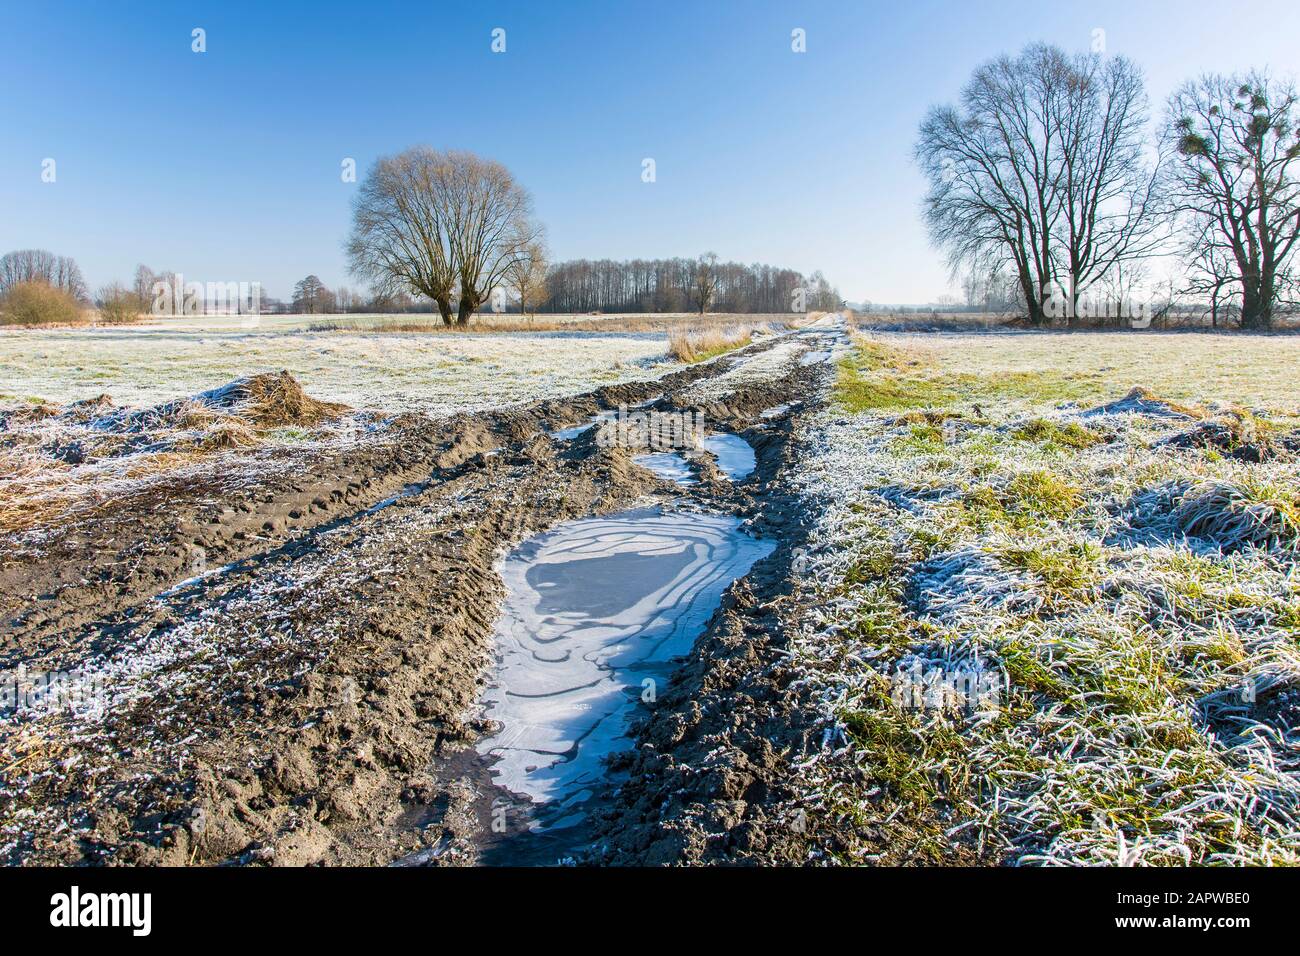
1163	580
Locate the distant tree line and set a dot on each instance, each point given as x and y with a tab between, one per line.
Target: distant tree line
682	285
40	266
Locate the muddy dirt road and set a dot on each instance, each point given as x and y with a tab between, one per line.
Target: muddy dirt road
302	669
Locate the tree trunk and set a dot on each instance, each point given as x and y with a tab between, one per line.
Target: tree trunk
1256	310
1033	300
444	309
466	309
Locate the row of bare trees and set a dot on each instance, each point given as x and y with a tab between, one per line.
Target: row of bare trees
37	265
1047	171
680	285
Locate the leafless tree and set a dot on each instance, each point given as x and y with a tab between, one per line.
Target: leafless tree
117	304
822	296
142	285
39	265
1237	184
704	285
1041	169
311	296
346	300
527	276
442	224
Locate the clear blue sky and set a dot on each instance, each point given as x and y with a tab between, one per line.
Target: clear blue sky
225	165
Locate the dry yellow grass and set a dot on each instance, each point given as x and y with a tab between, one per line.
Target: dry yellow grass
699	345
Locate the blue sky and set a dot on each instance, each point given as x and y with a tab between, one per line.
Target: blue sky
225	165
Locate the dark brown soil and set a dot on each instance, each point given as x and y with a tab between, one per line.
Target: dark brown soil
315	701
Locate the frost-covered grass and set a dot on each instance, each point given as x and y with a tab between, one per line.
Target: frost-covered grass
64	464
437	372
1045	367
1111	569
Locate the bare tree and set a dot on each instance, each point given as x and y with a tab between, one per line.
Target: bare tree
442	224
1212	273
39	265
704	285
142	285
1236	181
117	304
310	296
822	296
1041	170
400	240
527	276
492	227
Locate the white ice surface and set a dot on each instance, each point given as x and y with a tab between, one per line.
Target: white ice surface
593	609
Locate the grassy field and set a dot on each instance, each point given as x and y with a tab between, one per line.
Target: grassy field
1044	368
438	371
1059	610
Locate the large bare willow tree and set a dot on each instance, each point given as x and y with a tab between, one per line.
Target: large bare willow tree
448	225
1238	182
1042	168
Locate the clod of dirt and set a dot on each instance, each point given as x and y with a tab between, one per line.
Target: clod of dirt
1142	401
1235	436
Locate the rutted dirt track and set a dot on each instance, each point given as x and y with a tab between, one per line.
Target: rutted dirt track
306	700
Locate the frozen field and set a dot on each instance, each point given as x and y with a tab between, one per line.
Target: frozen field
1054	599
1026	598
436	372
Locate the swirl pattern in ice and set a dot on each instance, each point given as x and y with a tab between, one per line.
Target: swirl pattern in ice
593	610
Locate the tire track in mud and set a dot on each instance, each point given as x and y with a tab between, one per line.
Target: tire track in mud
312	708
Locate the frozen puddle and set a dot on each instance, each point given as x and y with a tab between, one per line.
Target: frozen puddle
734	455
595	612
608	415
667	464
573	431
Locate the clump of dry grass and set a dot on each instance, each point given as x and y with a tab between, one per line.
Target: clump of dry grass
271	399
228	433
699	346
1235	516
1049	432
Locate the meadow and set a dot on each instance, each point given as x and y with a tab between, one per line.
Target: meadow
1056	615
